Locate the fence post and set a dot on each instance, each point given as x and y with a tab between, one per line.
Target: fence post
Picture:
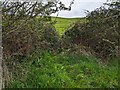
1	69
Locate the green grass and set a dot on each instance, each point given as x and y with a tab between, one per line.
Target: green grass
45	70
63	23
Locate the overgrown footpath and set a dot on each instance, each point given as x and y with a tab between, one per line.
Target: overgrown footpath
46	70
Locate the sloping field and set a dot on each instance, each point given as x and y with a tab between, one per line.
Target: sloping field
63	23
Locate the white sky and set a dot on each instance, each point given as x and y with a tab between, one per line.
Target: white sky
79	7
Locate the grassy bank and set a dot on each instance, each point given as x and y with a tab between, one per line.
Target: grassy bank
44	70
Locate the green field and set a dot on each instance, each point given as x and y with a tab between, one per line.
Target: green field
63	23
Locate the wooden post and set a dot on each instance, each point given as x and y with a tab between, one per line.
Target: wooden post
1	69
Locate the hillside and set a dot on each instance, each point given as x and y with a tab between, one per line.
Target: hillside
63	23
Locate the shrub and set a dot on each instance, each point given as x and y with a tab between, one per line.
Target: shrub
100	32
34	36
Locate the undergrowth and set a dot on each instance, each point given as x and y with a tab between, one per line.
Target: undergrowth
45	70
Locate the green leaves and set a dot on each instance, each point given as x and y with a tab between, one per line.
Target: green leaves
58	71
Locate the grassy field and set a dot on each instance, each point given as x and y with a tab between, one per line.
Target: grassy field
63	23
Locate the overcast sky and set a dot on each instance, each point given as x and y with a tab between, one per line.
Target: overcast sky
79	7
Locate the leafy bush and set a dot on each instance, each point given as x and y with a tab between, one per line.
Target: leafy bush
34	36
24	22
100	32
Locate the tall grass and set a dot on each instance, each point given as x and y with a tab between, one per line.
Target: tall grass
45	70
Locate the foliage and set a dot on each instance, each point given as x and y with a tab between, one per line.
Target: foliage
34	36
26	10
21	28
100	32
45	70
104	25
